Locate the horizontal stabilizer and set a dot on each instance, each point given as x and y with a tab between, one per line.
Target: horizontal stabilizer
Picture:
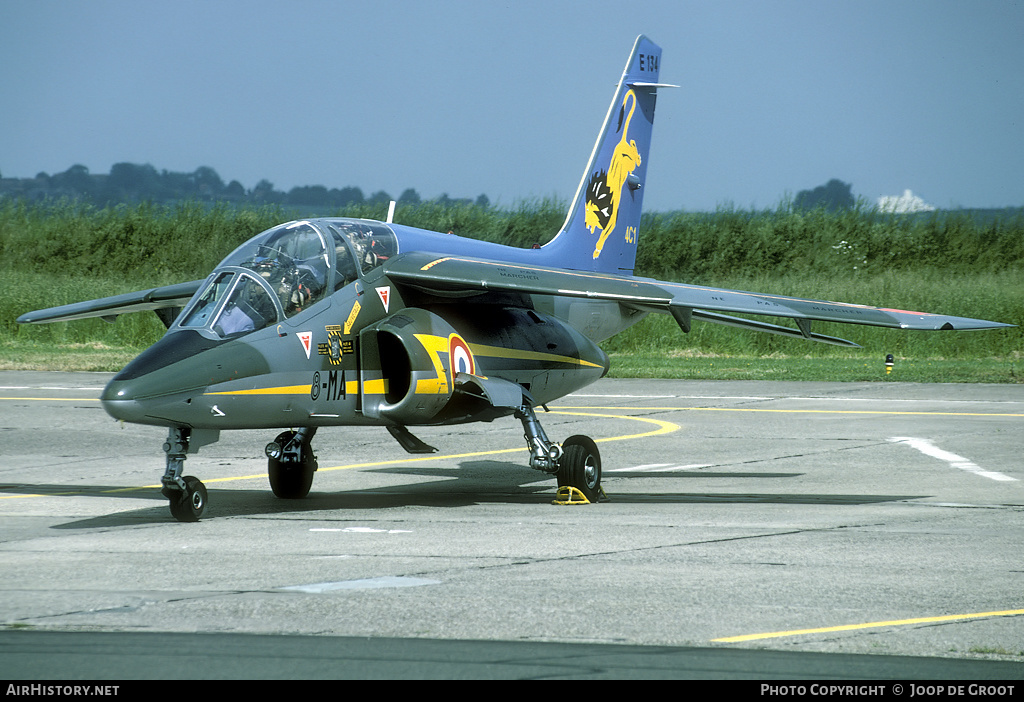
109	307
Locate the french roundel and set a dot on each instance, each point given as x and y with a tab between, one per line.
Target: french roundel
459	355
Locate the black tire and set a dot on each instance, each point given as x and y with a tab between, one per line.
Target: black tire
580	466
291	480
189	506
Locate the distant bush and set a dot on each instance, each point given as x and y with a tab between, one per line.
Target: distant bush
702	246
152	242
834	195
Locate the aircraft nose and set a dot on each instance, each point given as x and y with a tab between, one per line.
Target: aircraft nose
158	386
153	398
120	402
138	391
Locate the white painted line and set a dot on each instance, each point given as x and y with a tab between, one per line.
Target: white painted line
628	397
363	530
48	387
727	397
929	449
907	399
659	468
646	466
367	584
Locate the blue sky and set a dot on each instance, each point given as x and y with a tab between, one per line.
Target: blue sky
505	97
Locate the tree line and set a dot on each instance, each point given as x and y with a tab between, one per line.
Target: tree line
130	182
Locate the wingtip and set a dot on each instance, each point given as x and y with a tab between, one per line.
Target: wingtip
973	324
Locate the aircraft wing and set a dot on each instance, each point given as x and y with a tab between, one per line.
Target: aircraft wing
156	299
683	302
697	297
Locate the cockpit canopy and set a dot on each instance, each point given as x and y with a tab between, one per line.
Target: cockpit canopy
283	271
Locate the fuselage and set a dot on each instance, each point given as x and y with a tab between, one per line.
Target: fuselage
301	326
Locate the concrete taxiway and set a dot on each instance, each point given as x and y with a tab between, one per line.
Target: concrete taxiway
844	518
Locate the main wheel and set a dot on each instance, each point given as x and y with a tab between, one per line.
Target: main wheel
291	480
580	466
189	506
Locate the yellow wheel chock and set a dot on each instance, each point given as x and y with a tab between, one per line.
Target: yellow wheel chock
568	495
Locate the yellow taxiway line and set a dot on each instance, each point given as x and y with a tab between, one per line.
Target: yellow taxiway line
868	625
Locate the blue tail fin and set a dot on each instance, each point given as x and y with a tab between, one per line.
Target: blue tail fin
601	229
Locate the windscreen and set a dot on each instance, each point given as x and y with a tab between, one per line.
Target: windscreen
234	303
292	259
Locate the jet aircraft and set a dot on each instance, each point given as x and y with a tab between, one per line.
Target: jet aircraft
336	321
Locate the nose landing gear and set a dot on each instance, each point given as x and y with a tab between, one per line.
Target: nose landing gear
187	495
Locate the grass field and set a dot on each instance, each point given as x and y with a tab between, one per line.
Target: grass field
947	263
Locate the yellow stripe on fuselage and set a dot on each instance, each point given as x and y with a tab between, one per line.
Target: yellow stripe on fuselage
284	390
370	387
521	355
431	386
375	387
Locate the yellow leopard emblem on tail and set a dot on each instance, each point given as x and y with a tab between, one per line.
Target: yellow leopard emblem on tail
605	188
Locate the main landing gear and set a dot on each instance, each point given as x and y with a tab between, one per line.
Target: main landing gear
291	463
576	464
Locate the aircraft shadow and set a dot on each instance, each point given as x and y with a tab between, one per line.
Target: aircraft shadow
472	483
691	474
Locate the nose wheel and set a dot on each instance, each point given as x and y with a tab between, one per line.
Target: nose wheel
186	495
190	503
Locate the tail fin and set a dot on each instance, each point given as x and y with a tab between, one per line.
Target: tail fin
601	228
